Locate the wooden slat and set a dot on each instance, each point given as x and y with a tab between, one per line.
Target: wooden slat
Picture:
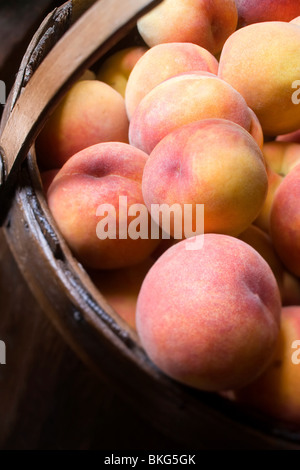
79	7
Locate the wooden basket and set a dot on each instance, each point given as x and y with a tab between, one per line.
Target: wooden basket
56	56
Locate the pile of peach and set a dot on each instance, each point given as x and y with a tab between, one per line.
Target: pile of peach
206	112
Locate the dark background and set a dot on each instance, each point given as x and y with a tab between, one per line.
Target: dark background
19	19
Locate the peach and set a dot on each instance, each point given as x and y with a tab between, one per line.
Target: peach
262	243
263	219
182	100
277	391
282	156
296	21
261	62
87	188
165	61
212	162
285	221
116	69
207	24
210	318
257	11
121	287
91	112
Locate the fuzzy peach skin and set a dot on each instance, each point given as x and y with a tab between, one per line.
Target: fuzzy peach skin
116	69
285	221
263	219
182	100
262	243
95	176
121	288
162	62
210	318
90	113
257	11
261	61
207	24
277	391
212	162
282	156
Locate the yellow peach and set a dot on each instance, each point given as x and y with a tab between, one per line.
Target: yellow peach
91	112
116	69
207	24
162	62
261	61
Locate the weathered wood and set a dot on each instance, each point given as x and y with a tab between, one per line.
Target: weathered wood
19	20
50	31
49	399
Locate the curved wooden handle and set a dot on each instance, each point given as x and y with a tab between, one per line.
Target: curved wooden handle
87	40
